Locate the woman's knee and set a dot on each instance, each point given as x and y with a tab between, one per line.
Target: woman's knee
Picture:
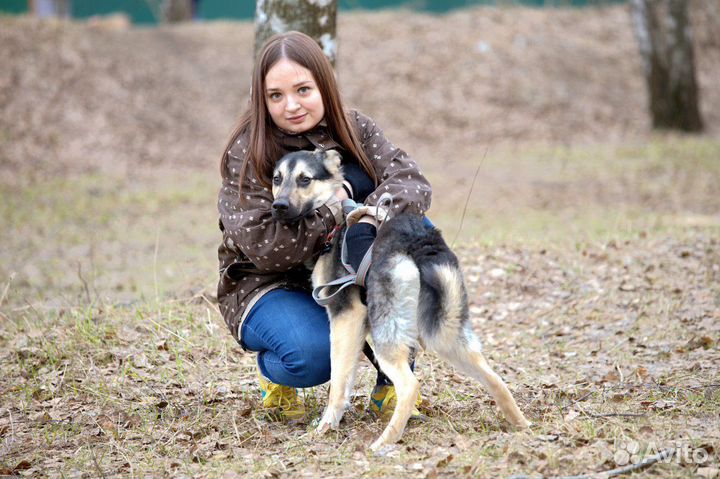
299	367
292	334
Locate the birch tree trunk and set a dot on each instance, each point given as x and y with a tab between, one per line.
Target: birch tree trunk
664	36
50	8
316	18
62	7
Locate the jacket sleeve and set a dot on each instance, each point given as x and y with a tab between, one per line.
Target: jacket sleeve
397	173
249	229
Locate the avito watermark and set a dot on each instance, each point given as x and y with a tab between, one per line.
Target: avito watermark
631	452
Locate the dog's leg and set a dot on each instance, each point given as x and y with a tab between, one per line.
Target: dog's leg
394	362
347	336
455	340
466	356
393	307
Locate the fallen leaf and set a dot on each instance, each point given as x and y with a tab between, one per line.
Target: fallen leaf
134	420
610	377
106	424
21	466
462	442
41	417
548	381
497	273
389	450
663	404
708	472
140	361
445	461
516	456
705	342
572	414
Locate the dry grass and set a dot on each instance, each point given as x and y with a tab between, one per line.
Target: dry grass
606	333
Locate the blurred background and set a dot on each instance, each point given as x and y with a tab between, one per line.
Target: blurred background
151	11
533	120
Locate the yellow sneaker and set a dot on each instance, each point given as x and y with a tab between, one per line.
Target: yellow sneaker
384	398
283	399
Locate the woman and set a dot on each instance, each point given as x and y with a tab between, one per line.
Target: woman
264	290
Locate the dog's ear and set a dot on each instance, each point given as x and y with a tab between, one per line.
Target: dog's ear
332	162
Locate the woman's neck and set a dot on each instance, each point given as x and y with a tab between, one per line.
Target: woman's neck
288	132
292	133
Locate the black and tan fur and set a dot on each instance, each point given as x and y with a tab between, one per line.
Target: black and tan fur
416	297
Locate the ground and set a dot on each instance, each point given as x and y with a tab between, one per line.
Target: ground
590	246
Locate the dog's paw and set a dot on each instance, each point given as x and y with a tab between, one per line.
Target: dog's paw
521	423
322	428
381	448
328	421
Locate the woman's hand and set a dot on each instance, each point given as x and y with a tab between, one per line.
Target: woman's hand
341	194
369	220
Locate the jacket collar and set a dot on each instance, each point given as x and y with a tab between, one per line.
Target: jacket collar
318	137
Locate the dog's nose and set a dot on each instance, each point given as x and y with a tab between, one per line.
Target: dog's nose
280	205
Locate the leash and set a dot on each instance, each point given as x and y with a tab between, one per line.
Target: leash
324	293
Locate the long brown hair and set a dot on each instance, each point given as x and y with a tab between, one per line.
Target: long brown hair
264	148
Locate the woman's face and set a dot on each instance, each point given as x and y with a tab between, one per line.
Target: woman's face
292	97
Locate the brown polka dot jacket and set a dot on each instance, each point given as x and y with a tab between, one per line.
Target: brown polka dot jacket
258	254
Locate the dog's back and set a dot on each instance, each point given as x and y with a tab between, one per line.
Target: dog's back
407	246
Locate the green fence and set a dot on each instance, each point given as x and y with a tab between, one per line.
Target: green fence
140	11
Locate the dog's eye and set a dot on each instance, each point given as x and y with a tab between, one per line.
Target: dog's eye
276	180
304	181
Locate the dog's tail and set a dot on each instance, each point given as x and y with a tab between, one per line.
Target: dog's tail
443	298
445	280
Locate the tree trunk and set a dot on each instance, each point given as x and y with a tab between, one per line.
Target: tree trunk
50	8
664	35
62	7
316	18
174	11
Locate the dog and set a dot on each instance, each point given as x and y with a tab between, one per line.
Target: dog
416	297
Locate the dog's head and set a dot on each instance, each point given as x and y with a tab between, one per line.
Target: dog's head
303	181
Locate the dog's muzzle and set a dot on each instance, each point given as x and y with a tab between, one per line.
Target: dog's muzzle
280	206
283	212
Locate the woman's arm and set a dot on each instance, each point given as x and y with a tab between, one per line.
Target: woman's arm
250	229
399	175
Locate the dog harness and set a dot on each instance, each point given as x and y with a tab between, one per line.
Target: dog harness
353	277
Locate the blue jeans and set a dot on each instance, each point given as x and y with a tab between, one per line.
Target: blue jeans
291	335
